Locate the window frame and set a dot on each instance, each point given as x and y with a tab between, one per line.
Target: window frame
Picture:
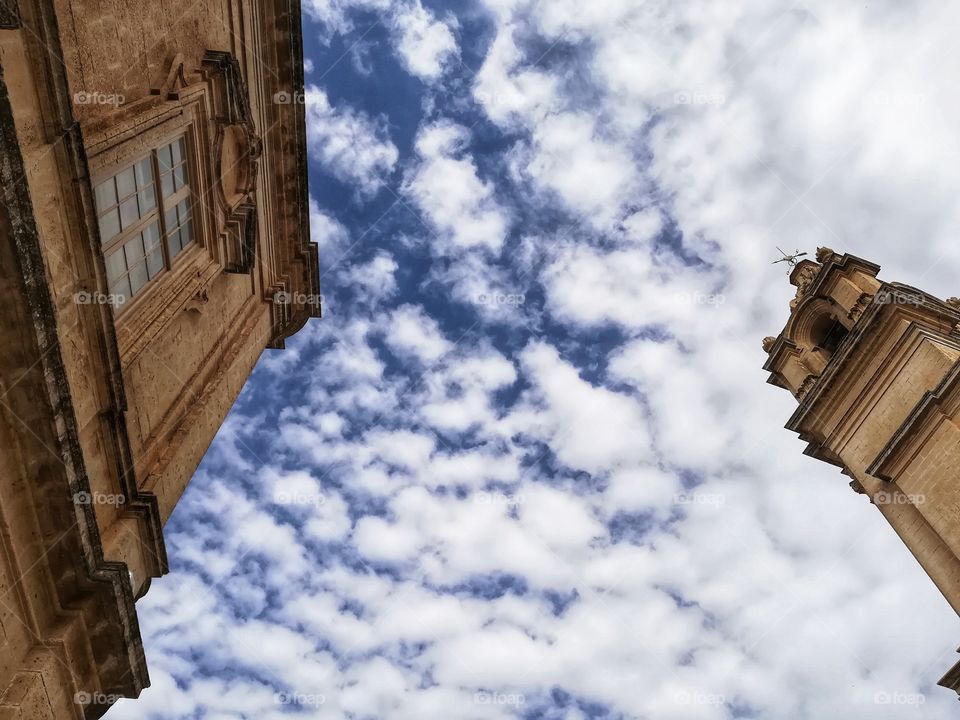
202	105
162	205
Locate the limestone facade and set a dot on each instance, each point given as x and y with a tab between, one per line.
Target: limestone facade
875	368
154	241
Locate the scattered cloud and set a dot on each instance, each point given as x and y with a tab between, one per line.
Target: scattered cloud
350	145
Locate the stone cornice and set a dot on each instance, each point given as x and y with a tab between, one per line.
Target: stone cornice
298	269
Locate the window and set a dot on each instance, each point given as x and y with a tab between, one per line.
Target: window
145	219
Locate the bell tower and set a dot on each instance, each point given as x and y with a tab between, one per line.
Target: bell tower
875	369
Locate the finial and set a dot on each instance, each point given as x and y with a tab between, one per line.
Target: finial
768	343
954	302
824	254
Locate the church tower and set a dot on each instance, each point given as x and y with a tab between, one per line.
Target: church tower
875	368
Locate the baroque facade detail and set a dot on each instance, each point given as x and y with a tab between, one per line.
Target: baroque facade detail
155	203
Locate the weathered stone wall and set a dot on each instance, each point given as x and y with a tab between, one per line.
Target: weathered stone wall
134	411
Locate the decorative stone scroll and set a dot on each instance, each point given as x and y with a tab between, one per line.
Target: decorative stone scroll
237	148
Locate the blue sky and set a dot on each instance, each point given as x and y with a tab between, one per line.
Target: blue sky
527	465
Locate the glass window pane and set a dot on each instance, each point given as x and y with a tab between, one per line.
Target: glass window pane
180	175
128	212
115	266
144	173
176	149
125	183
155	262
165	157
182	208
120	292
106	195
171	219
151	237
186	232
148	200
138	277
173	244
166	184
109	225
133	249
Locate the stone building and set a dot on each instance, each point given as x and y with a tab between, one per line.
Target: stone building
875	368
153	241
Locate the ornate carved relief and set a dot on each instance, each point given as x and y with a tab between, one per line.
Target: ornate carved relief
803	277
236	153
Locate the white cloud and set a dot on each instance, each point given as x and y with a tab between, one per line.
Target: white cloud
412	333
375	280
445	185
593	175
334	15
384	541
353	147
424	43
590	428
332	238
459	395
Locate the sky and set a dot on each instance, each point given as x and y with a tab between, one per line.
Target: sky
527	465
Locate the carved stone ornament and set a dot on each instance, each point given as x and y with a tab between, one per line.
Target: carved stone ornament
863	302
824	254
803	277
768	343
954	302
237	149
